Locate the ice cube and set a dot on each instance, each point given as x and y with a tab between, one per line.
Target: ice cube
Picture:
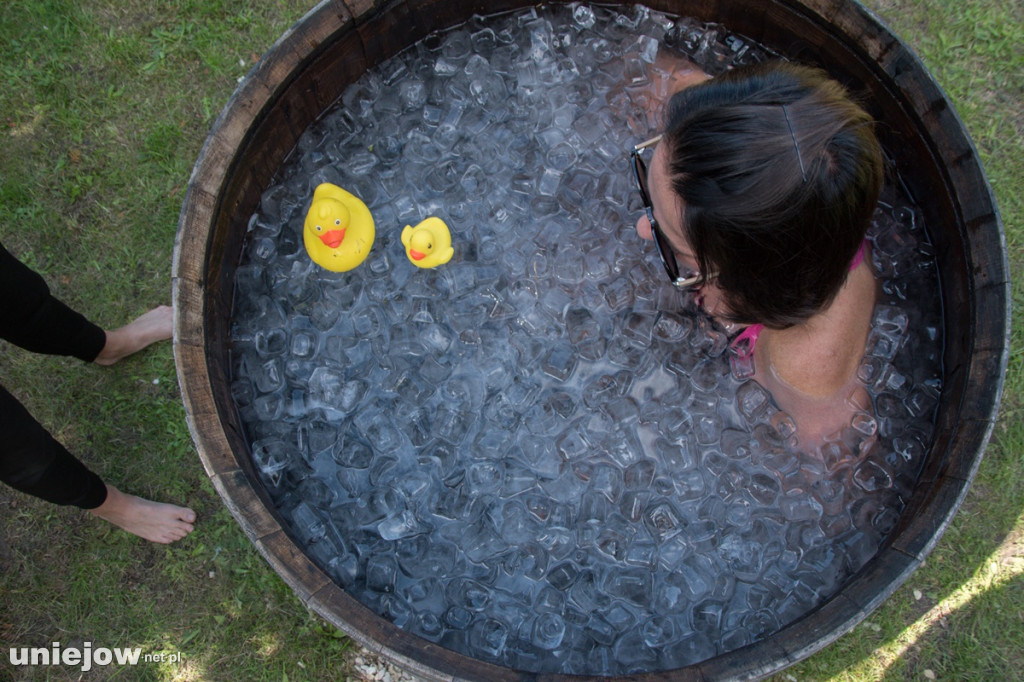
547	631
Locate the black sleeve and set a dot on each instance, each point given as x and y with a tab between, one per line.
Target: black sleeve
32	461
32	318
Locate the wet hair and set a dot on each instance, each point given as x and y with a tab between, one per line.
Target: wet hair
779	172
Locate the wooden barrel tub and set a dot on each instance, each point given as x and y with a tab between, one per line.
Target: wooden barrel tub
307	69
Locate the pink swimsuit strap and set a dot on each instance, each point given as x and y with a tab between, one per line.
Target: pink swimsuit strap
743	344
858	257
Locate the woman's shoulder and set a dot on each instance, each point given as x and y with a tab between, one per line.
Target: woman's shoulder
815	370
819	357
814	384
811	370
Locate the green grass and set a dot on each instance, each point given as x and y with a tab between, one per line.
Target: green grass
103	108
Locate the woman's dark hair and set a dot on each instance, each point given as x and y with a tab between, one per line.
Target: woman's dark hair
779	173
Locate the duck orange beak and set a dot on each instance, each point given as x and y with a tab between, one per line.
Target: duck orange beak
332	238
416	255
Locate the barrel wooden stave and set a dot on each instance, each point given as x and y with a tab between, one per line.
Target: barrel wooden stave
304	73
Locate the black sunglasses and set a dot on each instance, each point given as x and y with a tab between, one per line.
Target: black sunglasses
665	250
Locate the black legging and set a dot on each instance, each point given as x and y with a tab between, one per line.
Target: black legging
30	459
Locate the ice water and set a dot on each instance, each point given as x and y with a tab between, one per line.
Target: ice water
541	454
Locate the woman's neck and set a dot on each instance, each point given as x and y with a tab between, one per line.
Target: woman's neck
820	356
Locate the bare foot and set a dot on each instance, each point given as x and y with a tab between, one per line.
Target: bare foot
153	521
156	325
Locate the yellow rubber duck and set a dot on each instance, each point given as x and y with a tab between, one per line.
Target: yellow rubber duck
429	244
339	231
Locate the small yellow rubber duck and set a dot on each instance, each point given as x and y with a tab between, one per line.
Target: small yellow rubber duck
338	231
429	244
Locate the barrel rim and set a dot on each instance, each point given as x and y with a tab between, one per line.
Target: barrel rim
204	200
